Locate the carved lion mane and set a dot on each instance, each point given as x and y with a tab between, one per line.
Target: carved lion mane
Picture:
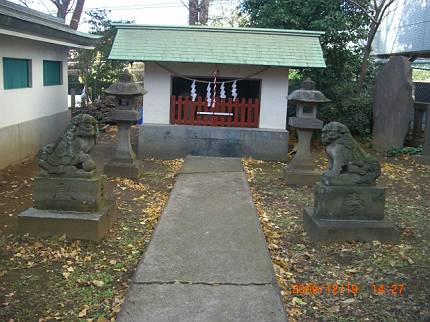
349	164
68	156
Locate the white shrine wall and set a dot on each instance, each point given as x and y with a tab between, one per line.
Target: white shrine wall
274	89
33	116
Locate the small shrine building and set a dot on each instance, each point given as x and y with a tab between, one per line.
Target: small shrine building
215	91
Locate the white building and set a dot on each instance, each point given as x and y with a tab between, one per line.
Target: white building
33	79
405	29
216	91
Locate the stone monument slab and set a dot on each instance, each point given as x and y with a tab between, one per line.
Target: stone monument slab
393	104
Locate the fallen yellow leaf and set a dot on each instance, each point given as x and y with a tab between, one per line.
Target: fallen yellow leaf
82	313
98	283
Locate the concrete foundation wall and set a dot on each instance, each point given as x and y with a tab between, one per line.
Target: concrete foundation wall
173	141
274	89
22	140
26	104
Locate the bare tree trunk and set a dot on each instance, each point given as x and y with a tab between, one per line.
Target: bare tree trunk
204	12
376	13
365	61
61	12
62	7
74	23
193	11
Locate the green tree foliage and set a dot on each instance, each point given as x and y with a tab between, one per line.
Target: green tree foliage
97	71
346	28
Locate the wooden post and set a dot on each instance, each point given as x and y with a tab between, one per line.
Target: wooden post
72	98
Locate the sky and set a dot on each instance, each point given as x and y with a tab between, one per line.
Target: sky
161	12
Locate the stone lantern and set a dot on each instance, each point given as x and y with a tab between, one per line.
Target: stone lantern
124	163
301	170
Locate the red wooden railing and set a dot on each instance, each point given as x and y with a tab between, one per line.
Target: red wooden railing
239	113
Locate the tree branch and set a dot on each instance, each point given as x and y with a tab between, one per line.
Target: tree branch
71	6
46	7
202	4
24	3
384	9
183	3
365	10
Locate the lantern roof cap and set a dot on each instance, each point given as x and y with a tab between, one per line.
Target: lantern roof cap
308	93
125	86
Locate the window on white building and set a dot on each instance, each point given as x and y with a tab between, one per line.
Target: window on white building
16	73
52	74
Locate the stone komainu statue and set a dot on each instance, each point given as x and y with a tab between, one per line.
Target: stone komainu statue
68	156
349	164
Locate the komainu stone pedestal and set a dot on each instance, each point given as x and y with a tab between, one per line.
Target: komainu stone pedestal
348	205
343	213
349	202
72	206
75	225
68	192
329	231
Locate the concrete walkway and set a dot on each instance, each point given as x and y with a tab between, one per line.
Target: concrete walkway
208	260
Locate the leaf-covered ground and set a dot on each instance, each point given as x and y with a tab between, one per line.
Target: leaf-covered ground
49	279
361	268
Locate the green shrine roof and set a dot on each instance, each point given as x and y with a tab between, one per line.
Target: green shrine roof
197	44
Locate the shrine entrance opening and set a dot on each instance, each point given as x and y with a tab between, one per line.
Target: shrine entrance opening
228	104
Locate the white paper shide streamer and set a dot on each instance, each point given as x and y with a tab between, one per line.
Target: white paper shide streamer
222	91
208	95
234	91
193	91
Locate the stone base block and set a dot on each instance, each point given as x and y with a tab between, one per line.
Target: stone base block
423	158
69	194
328	231
349	202
295	177
165	141
124	170
76	225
